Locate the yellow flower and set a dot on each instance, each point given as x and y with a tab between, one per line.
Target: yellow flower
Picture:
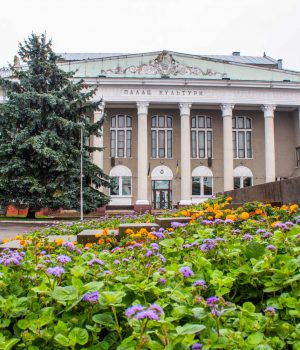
219	214
19	237
244	215
231	217
228	199
59	241
293	208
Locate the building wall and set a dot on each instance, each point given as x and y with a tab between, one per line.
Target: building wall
285	143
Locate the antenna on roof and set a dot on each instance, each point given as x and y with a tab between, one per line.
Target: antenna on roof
265	54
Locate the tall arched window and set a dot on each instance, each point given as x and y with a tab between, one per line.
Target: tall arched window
161	136
243	177
202	181
120	136
201	129
242	137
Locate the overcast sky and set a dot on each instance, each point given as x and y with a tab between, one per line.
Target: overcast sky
130	26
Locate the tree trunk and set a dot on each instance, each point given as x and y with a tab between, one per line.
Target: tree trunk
31	213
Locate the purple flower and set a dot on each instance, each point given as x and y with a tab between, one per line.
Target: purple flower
267	235
200	283
270	310
186	272
149	253
260	230
215	312
187	246
162	258
236	231
271	247
63	259
157	309
211	301
154	246
91	298
175	224
68	245
132	310
117	262
56	271
158	234
95	261
197	346
228	221
150	314
247	237
162	280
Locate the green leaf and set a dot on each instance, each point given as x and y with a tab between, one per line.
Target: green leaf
79	336
104	319
67	293
8	344
62	340
179	241
168	242
254	250
255	338
249	307
61	327
111	298
190	328
93	286
46	316
128	344
23	324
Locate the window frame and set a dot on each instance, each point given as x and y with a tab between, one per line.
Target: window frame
120	181
297	157
242	136
115	141
196	131
242	178
201	177
166	131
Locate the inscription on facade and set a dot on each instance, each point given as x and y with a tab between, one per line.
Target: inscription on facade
162	92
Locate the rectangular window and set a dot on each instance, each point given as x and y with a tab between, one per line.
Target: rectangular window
121	121
128	143
196	186
112	143
161	144
121	143
194	122
201	122
153	144
113	122
128	122
241	122
298	156
249	144
237	182
161	122
114	186
207	186
241	144
126	185
209	144
201	144
169	144
247	181
194	144
234	143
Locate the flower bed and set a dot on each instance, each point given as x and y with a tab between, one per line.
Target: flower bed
227	280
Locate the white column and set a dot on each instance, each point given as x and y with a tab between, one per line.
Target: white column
269	142
142	161
227	146
185	160
98	141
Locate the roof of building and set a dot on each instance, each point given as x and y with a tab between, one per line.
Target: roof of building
235	57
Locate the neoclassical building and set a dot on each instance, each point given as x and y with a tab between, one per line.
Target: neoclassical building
180	127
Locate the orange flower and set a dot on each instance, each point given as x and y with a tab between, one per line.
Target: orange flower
129	231
244	215
101	241
228	199
275	223
258	211
22	242
210	217
219	214
293	208
231	217
88	245
59	241
109	240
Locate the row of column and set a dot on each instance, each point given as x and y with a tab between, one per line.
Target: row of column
185	156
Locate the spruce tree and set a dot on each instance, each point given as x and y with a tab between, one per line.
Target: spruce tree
40	127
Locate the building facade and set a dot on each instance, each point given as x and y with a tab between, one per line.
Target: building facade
181	127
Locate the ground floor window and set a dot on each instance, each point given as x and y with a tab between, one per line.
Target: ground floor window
202	182
120	186
242	177
242	181
298	157
202	185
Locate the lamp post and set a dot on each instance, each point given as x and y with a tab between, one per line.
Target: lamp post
81	173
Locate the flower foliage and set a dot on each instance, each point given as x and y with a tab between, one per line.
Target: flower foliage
226	280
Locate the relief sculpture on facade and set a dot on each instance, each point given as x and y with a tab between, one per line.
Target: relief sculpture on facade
165	66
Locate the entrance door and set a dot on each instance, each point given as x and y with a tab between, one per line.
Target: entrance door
161	194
